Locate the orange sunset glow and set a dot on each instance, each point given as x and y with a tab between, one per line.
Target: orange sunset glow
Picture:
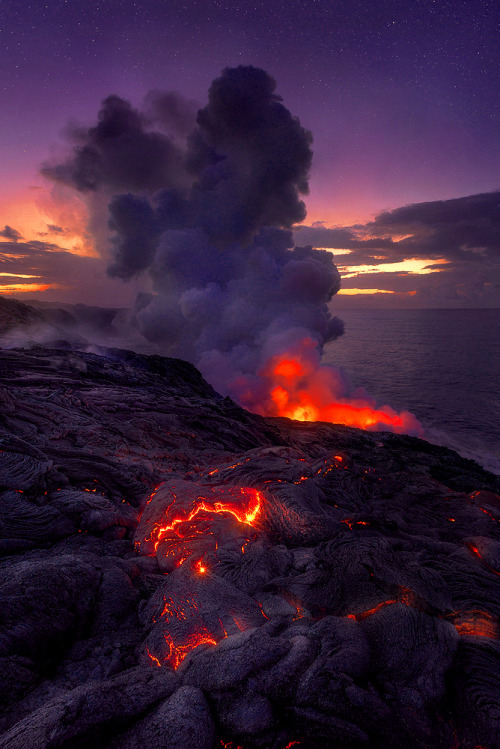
24	288
54	219
351	292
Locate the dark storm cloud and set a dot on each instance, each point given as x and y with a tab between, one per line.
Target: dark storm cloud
443	212
340	238
462	229
9	233
461	284
47	264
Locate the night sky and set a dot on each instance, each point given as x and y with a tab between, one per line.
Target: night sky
402	99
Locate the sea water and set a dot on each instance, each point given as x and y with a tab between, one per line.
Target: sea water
442	365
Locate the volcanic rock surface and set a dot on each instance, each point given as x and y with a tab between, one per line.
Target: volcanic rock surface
177	572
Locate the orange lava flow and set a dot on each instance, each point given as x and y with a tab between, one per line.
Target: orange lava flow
351	522
476	553
475	624
153	658
300	388
177	653
181	611
365	614
246	514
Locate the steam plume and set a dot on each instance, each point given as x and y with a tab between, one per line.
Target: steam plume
207	214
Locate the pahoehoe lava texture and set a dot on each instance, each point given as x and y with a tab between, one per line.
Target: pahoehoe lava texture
177	572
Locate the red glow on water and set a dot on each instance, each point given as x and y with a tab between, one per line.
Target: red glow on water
297	386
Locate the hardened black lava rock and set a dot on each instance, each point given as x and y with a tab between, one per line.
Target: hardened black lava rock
177	572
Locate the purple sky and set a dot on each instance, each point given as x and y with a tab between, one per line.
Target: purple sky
402	99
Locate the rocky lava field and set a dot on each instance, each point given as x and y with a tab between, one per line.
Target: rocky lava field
177	572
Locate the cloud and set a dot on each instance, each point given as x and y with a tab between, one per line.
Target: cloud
464	232
340	238
170	112
46	270
9	233
465	228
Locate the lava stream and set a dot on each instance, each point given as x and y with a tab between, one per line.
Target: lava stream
177	653
246	513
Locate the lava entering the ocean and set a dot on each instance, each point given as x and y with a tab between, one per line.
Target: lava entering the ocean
300	388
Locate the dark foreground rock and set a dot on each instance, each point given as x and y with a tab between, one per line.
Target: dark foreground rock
177	572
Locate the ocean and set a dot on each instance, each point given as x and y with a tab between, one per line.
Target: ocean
442	365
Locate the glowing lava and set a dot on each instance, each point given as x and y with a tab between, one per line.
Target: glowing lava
177	653
244	504
188	520
475	624
476	553
300	388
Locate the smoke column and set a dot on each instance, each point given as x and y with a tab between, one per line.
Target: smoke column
204	203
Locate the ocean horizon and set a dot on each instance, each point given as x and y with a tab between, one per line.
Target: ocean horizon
440	364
